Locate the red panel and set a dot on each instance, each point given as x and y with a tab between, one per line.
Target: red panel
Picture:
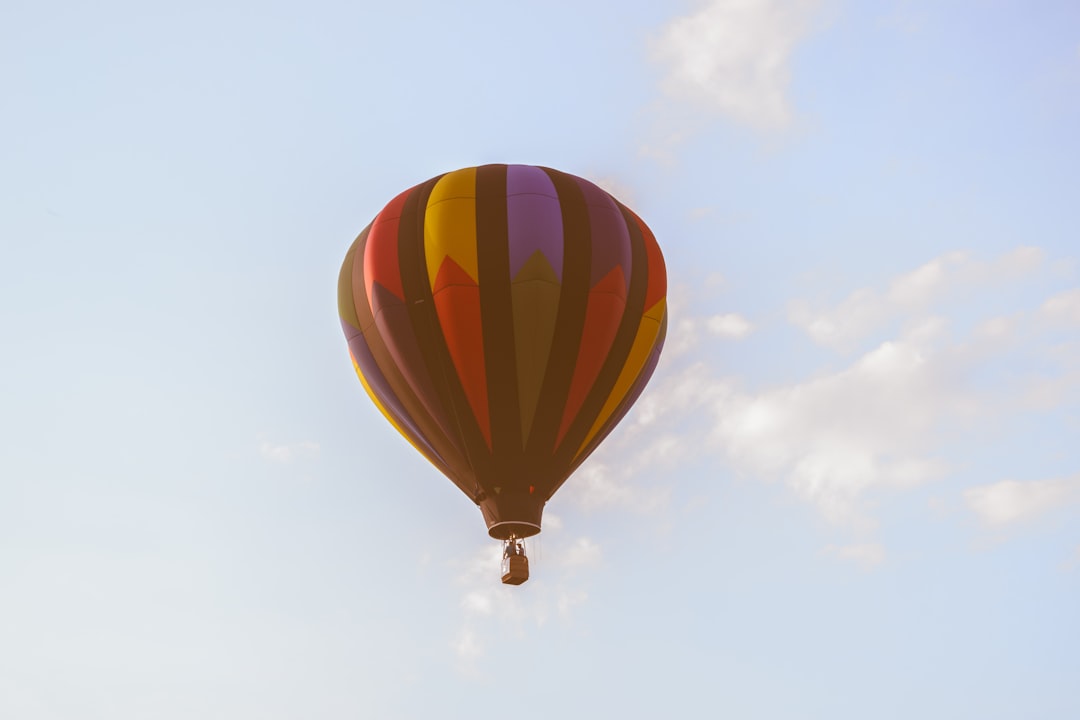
457	302
381	253
607	302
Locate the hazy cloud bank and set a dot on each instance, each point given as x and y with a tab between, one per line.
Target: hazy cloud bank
894	416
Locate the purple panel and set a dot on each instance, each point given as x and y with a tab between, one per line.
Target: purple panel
610	238
350	331
378	384
534	217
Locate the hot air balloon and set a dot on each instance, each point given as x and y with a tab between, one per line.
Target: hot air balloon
504	318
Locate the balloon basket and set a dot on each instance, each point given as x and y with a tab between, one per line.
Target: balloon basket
515	570
515	566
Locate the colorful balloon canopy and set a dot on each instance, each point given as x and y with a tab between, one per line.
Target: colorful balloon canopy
504	318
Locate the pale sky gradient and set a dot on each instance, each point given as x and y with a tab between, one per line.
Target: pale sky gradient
851	491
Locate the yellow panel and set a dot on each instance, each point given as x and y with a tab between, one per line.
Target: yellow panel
635	361
450	223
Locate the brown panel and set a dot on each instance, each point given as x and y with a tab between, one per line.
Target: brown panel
496	311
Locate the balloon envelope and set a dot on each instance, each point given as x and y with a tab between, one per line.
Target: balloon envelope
504	318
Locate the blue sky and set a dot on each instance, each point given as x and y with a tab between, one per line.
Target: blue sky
852	489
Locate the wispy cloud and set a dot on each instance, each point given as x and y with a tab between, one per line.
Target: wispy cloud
287	452
843	326
1009	502
733	57
844	439
583	553
729	325
559	585
600	485
688	329
830	438
833	438
1063	307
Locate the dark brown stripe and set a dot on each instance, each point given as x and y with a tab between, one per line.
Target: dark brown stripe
497	315
429	335
569	322
619	352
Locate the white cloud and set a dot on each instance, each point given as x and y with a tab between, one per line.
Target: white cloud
844	439
865	310
287	452
729	325
556	587
596	485
552	521
685	333
1003	327
683	336
1063	307
867	555
733	57
477	602
1010	501
921	285
1016	263
584	553
833	438
844	326
841	327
